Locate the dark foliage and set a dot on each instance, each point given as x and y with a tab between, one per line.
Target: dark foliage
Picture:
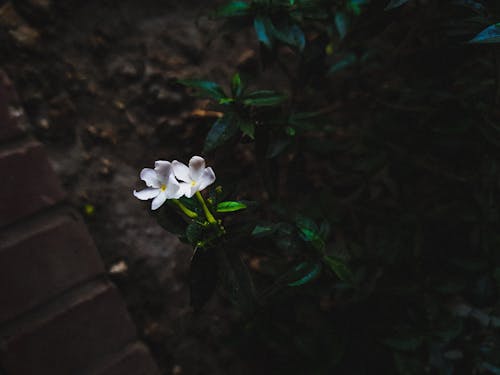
374	247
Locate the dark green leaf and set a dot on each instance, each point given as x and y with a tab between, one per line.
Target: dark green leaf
304	273
222	130
234	9
489	35
230	206
304	120
355	6
342	24
263	28
248	128
491	368
202	276
262	231
195	233
264	98
324	230
344	63
291	35
395	3
236	85
168	218
237	280
206	88
309	232
276	147
339	268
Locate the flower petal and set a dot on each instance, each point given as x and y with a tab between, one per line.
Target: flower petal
188	190
207	178
150	177
196	167
181	171
163	168
174	190
145	194
159	200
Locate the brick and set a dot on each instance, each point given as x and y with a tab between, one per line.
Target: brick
93	325
134	360
9	127
28	182
42	259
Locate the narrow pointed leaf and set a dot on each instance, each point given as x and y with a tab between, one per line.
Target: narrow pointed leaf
489	35
395	4
291	35
248	128
306	272
206	88
262	231
339	268
344	63
236	279
309	232
236	85
263	30
342	24
264	98
234	9
222	130
230	206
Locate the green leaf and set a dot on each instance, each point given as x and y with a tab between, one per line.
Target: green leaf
263	29
344	63
236	280
342	24
248	128
395	4
291	35
491	368
309	232
236	85
264	98
304	120
355	6
339	268
206	88
230	206
203	277
276	147
234	9
489	35
195	233
262	231
222	130
168	218
306	272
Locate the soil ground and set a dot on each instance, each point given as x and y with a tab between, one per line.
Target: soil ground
97	80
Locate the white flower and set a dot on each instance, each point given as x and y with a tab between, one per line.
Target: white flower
195	178
161	183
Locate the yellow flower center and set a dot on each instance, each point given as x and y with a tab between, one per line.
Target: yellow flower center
193	183
163	187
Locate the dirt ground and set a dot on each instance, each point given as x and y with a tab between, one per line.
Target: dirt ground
98	83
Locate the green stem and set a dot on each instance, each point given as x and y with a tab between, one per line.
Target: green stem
187	211
208	214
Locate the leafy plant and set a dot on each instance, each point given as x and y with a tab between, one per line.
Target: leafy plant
376	168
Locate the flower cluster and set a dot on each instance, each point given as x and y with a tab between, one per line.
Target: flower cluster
172	180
